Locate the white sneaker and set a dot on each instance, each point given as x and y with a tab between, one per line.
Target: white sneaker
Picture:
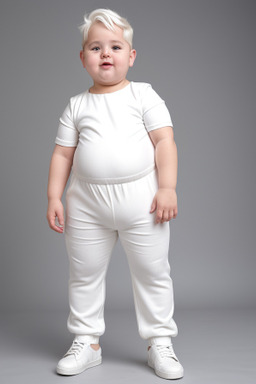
78	358
164	361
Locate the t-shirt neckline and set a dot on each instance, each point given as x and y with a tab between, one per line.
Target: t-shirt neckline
110	93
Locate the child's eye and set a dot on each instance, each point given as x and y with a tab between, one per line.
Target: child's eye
95	48
116	47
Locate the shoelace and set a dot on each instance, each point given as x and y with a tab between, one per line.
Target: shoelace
166	351
75	348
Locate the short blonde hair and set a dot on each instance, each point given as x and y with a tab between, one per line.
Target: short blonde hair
108	18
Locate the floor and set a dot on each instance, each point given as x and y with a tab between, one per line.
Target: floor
214	346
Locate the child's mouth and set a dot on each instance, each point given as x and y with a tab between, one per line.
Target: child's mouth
106	65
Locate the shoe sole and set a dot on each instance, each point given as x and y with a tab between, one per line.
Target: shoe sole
171	376
68	372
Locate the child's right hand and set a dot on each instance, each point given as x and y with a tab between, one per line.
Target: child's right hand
55	209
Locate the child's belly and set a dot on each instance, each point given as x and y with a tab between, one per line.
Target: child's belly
113	159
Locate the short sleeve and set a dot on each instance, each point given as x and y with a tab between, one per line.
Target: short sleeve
67	134
155	112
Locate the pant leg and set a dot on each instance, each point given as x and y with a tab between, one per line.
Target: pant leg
146	245
89	244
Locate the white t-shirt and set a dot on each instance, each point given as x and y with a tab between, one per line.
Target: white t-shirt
110	131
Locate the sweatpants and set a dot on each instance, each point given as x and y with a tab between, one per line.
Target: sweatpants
96	215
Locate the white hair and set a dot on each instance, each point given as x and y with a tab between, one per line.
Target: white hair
108	18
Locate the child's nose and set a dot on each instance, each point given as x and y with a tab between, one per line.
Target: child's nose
105	52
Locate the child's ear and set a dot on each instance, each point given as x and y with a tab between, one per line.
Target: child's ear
82	57
133	55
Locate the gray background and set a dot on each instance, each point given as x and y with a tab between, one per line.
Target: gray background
199	55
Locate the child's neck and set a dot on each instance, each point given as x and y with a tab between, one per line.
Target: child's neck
99	88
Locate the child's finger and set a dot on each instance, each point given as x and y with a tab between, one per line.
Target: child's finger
53	225
159	215
60	215
60	219
59	224
165	216
58	229
51	221
153	206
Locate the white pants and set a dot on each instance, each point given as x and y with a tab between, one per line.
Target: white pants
96	214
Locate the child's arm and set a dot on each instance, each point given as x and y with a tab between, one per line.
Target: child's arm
60	167
165	200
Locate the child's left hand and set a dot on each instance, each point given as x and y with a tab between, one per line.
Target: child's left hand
165	204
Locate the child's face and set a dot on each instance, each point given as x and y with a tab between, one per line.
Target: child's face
105	46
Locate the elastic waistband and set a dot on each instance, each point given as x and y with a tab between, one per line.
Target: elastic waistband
117	180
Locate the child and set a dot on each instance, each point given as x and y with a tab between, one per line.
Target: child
117	136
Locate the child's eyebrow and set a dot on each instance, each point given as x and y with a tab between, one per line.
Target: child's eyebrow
112	41
117	42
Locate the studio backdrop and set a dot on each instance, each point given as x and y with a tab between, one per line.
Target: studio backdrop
199	56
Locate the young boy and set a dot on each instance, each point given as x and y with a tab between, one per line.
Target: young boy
117	137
